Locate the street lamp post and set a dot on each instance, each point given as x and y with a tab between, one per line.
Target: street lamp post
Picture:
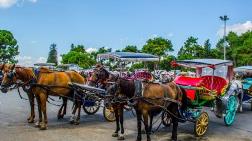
224	18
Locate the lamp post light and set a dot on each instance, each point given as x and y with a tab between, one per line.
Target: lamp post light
224	19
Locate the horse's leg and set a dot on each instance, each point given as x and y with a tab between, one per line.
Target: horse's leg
151	120
37	124
65	107
60	111
31	100
121	136
139	128
175	124
115	134
43	99
146	124
73	117
77	120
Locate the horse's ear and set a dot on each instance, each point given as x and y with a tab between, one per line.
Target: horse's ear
13	67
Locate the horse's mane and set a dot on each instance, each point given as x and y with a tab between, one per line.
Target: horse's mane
45	70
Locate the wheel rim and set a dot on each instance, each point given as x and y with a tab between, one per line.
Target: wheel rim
109	114
201	124
91	109
231	110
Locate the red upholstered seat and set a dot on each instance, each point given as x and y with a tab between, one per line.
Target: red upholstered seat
214	83
188	81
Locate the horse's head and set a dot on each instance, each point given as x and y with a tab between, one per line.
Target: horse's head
9	77
99	75
112	88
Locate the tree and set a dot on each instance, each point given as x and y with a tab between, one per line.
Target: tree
100	50
130	48
78	48
78	55
165	63
191	49
8	47
207	48
53	55
158	46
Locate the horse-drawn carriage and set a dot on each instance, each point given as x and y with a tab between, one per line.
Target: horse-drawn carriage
244	83
209	89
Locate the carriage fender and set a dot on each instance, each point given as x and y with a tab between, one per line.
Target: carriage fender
235	89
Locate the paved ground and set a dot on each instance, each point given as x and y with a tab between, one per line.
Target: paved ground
13	126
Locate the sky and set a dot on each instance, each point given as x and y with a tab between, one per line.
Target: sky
116	23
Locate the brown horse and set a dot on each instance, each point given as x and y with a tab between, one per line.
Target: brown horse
55	84
151	100
27	76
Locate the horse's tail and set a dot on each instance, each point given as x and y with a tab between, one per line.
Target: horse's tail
184	99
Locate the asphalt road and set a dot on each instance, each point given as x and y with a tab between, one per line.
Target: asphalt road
14	127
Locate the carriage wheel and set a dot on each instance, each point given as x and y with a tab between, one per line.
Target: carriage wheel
90	110
230	110
108	113
201	124
166	119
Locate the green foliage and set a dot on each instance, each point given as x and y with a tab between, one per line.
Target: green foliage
53	55
78	55
130	48
78	48
240	48
191	49
136	66
158	46
165	63
8	47
100	50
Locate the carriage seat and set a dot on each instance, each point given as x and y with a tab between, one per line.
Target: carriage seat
188	81
142	75
218	84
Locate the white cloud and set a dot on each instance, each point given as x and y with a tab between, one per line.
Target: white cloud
41	60
237	28
9	3
153	36
25	61
89	50
29	61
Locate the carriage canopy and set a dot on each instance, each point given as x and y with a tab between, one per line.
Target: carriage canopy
202	63
128	56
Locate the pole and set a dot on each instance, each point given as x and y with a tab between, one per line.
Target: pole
225	39
224	19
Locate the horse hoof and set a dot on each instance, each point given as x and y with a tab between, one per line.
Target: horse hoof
30	120
138	139
120	137
43	127
60	116
76	122
37	124
173	139
115	135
